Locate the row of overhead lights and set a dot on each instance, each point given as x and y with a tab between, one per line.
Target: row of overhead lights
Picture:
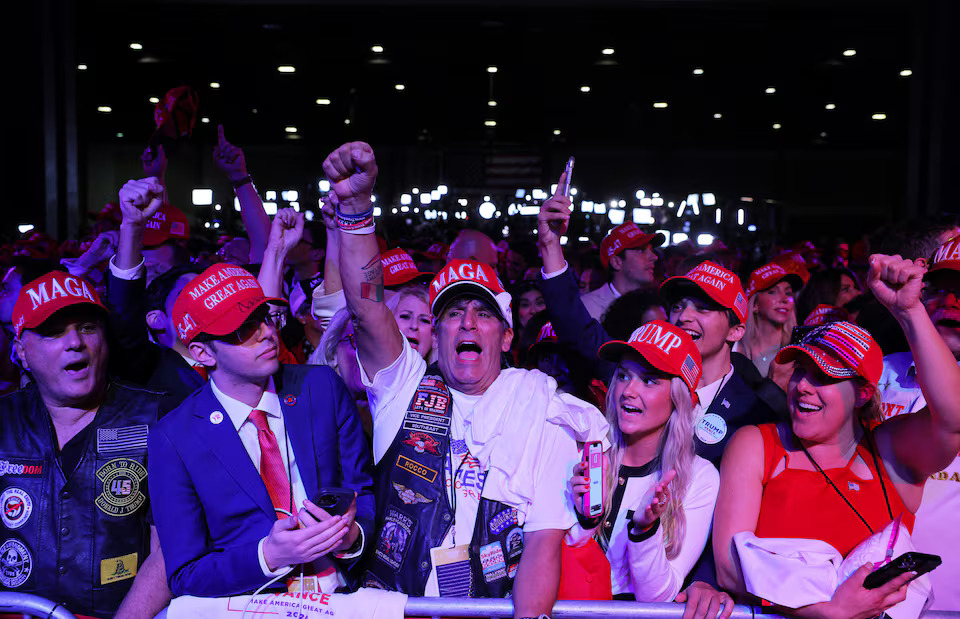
490	123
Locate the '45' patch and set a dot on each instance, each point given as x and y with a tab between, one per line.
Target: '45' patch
121	493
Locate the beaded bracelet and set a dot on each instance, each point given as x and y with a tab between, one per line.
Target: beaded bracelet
237	184
354	221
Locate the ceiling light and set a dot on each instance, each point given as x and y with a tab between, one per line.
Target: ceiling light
346	121
556	132
830	106
214	85
81	67
906	73
205	119
660	105
849	52
119	135
290	129
136	46
154	100
285	68
492	103
399	86
323	101
770	90
491	69
106	109
584	89
377	49
777	125
490	123
879	117
718	116
202	197
608	51
698	71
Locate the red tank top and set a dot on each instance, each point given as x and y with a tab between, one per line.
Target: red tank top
801	504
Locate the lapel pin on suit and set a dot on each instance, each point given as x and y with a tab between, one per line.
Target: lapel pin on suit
290	400
216	417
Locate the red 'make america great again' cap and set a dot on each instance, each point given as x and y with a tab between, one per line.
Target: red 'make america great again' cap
720	284
44	296
217	302
468	277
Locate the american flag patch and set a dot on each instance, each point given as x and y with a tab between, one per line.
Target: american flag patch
131	438
690	371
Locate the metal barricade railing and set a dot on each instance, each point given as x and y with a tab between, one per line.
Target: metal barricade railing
32	605
570	609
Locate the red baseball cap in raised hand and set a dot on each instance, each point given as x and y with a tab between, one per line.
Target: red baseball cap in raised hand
718	283
399	268
841	350
769	275
218	301
468	277
626	236
168	222
666	347
45	296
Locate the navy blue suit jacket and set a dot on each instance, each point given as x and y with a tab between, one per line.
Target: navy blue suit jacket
210	505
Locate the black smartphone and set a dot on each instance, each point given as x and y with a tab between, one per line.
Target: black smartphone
907	562
565	190
334	501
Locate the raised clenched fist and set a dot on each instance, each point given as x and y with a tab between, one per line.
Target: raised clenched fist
352	170
140	199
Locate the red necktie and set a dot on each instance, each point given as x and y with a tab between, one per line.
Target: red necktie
202	371
271	464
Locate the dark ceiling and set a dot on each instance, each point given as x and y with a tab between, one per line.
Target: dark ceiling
544	55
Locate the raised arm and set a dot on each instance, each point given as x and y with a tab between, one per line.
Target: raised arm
929	440
139	200
233	164
331	259
571	320
285	233
352	170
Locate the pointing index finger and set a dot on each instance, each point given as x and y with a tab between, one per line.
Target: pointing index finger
221	140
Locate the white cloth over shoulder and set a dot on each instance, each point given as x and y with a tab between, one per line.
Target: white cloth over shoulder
798	572
508	436
364	604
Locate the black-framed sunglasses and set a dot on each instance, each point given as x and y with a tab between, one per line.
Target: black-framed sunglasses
251	326
350	337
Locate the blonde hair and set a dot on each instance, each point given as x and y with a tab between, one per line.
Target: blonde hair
326	351
751	333
676	452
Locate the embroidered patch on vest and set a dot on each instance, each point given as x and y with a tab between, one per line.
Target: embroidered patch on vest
16	563
17	507
421	471
395	538
422	443
514	543
502	520
118	568
492	562
25	469
121	493
428	409
408	496
110	440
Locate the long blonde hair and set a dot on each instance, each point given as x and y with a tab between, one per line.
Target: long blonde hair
676	452
751	334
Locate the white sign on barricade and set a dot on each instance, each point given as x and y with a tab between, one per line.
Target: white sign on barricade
364	604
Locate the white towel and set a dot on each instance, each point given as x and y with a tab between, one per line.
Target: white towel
364	604
798	572
506	431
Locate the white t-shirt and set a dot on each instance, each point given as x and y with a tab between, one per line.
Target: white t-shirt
389	395
935	530
642	568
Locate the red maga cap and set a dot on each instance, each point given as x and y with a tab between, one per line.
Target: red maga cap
399	268
794	263
822	314
769	275
217	302
666	347
946	257
44	296
546	336
469	277
625	236
841	350
168	222
720	284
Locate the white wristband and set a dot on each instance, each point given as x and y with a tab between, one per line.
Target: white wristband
364	230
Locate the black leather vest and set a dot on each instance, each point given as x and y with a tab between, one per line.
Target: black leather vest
414	513
76	537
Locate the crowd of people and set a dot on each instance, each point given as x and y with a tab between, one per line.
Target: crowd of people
310	408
